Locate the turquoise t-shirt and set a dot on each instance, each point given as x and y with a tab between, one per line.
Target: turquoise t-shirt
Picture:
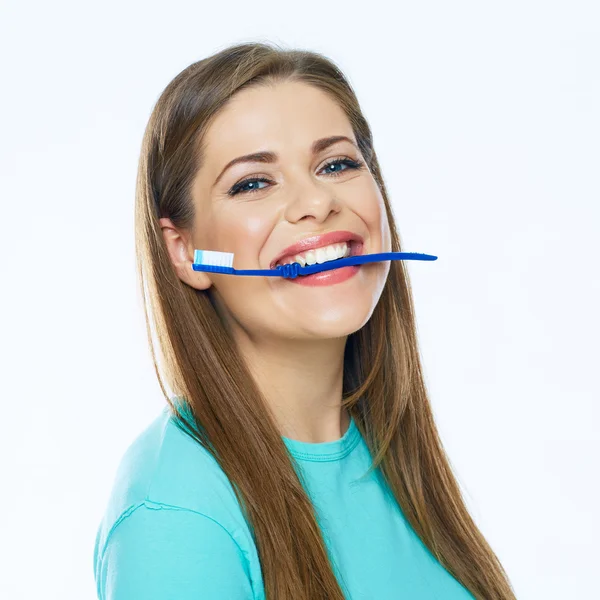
173	527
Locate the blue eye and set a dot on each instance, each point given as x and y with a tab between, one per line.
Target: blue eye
351	164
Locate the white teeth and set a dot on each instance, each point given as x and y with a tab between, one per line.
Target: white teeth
320	255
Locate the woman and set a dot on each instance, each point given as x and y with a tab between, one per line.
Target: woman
298	457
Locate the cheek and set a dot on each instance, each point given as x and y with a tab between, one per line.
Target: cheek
256	226
371	209
244	234
241	232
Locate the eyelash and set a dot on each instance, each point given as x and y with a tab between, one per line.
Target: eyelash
351	164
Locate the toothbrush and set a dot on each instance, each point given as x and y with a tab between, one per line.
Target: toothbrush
222	262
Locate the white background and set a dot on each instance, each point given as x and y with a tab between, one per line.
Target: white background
486	120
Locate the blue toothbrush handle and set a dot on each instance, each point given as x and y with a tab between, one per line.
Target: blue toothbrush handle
294	269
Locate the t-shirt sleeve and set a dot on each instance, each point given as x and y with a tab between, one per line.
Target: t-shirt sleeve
159	554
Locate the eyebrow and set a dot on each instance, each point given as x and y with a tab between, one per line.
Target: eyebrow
268	157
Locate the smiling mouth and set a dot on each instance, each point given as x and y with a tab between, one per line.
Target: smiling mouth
356	249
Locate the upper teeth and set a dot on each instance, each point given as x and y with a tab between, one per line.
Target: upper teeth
318	255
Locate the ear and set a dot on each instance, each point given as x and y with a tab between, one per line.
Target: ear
181	253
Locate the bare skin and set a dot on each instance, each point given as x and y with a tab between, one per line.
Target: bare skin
292	336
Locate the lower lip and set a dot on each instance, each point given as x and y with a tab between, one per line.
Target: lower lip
329	277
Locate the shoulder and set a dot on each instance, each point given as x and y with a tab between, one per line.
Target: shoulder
167	490
164	465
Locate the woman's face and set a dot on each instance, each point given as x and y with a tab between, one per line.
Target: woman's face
302	197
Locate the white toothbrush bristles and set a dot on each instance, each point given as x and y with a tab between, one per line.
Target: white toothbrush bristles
213	258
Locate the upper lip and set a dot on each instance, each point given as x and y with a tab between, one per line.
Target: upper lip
316	241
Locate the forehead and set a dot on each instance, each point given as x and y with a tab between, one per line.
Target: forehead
285	116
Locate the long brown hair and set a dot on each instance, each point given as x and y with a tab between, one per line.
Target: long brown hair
383	384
